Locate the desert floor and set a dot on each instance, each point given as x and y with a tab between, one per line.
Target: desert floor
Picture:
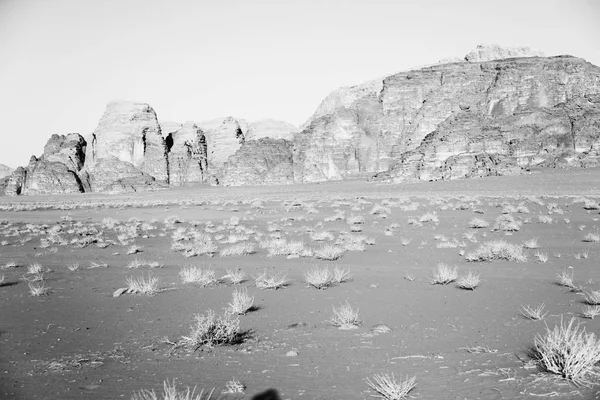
78	341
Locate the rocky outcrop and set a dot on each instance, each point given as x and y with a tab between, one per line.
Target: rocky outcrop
5	170
107	170
223	141
489	52
130	132
270	128
260	162
456	120
15	182
187	155
50	177
66	149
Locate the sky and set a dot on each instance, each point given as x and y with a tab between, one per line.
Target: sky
62	61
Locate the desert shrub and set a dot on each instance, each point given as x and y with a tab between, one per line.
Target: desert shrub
266	280
345	317
141	285
533	312
200	276
212	329
477	223
329	252
389	389
469	281
238	249
507	223
320	278
444	274
170	392
241	302
497	250
569	351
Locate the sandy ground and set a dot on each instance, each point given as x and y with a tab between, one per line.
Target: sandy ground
80	342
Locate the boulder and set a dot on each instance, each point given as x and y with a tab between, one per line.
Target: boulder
264	161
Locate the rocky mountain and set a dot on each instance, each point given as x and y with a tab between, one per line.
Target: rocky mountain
495	111
485	115
5	170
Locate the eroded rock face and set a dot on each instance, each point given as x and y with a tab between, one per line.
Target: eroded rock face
5	171
270	128
15	182
107	170
188	160
223	141
50	177
130	132
66	149
260	162
444	121
489	52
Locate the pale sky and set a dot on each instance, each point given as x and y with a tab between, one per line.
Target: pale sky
62	61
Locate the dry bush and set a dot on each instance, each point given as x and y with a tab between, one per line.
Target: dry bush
211	330
565	279
238	249
141	285
507	223
321	236
200	276
319	278
170	392
545	219
469	281
592	297
569	351
477	223
590	312
38	289
266	280
592	237
429	217
444	274
355	220
241	302
329	252
541	257
236	276
234	386
531	243
533	312
389	389
345	317
497	250
340	275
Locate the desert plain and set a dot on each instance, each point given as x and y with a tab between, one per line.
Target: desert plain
395	255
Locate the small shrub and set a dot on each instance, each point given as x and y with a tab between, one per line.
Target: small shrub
211	330
200	276
469	281
389	389
238	249
170	392
590	312
565	279
592	297
534	313
241	302
340	275
592	237
329	252
444	275
236	276
531	243
507	223
38	289
541	257
265	280
345	317
319	278
497	250
569	351
141	285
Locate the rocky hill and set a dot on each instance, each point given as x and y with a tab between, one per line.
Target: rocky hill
495	111
5	170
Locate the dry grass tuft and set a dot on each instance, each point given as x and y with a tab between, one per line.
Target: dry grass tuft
320	278
211	330
241	302
170	392
200	276
141	285
389	389
444	274
340	275
38	289
590	312
266	280
569	351
469	281
345	317
238	249
535	313
329	252
497	250
236	276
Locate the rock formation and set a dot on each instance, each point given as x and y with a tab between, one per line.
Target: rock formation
223	141
486	52
130	132
264	161
270	128
5	171
187	155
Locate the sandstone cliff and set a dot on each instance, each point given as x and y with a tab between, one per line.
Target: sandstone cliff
5	170
264	161
187	155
